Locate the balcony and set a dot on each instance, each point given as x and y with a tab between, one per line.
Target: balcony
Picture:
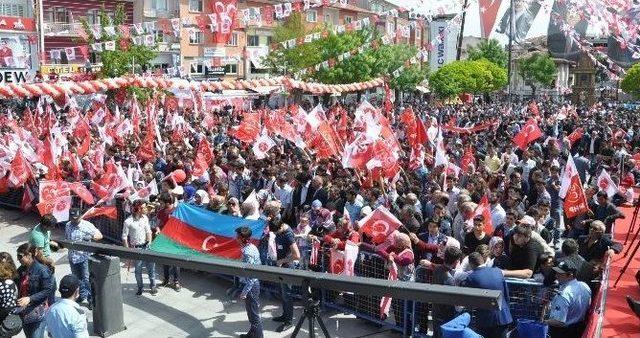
160	13
61	29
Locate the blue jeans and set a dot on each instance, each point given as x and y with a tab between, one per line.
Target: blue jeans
35	330
81	271
287	302
151	270
252	305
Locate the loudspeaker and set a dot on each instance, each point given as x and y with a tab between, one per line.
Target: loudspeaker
104	274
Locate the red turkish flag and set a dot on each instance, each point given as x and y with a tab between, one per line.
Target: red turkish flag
82	192
529	133
249	128
488	13
379	224
337	262
20	172
484	209
421	132
108	211
575	136
101	191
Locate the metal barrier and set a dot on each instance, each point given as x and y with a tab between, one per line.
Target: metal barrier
12	198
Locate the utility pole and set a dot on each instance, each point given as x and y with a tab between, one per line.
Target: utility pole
511	26
461	35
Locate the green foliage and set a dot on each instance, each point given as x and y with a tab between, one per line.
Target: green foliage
490	50
537	70
476	77
119	62
364	66
631	82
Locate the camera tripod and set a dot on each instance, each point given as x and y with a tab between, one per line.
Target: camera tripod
311	313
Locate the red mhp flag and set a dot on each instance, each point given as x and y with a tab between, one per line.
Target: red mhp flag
575	202
262	145
51	190
357	154
379	224
146	151
421	132
484	209
19	171
108	211
529	133
82	192
48	159
324	141
575	136
467	159
58	207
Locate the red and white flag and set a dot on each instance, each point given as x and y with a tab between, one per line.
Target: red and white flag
350	257
337	262
529	133
575	202
27	199
144	193
385	302
107	211
263	144
575	136
441	153
59	208
82	192
379	224
20	171
605	183
484	209
315	249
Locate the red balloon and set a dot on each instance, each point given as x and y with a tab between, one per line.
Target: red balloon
179	175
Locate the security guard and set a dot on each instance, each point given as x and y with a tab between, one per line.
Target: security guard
569	307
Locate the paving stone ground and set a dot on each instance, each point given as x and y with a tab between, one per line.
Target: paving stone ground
201	309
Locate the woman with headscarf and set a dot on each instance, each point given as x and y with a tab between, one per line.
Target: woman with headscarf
497	257
201	198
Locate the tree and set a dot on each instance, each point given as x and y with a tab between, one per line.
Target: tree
475	77
490	50
121	61
364	66
631	82
537	70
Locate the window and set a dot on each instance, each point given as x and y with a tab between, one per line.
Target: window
233	40
93	17
231	68
195	38
197	67
327	18
160	5
348	19
11	9
418	32
253	40
269	40
195	5
312	16
58	15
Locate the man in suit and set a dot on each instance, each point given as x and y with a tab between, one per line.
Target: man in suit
319	191
303	193
491	323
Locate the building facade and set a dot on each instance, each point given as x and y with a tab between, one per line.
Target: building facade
60	26
167	45
18	41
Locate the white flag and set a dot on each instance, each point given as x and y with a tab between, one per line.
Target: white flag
441	154
262	145
569	171
605	183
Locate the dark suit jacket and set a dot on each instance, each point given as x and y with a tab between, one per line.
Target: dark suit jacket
491	279
321	195
296	203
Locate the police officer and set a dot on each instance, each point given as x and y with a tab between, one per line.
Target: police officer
569	307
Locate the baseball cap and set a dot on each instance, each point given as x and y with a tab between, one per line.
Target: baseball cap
564	267
68	285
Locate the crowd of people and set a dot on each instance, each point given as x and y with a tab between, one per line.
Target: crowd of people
307	199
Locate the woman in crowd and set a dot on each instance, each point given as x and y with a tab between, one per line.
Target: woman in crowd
36	285
8	288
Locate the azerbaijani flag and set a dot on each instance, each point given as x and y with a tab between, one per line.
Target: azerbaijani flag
194	231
